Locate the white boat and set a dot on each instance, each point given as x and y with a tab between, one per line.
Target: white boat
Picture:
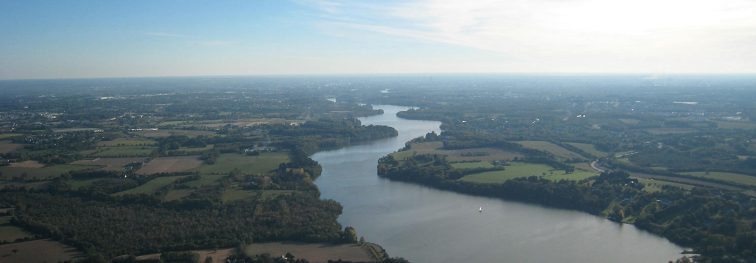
480	210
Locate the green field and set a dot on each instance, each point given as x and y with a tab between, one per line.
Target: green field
9	233
48	172
123	151
8	135
76	184
7	146
205	180
260	164
150	187
126	142
653	186
519	169
726	177
747	125
199	150
551	148
230	195
457	155
177	194
472	165
588	148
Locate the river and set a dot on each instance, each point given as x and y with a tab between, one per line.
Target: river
425	225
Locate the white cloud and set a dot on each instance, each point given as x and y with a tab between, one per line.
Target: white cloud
575	35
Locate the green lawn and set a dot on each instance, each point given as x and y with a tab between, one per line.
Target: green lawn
519	169
589	148
151	187
123	151
48	172
551	148
472	165
726	177
261	164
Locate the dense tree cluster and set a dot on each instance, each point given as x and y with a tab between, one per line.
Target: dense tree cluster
116	228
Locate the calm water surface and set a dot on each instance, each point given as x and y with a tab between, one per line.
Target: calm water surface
426	225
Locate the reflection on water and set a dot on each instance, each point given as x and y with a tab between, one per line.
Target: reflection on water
429	225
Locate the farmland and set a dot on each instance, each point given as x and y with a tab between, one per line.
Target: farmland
166	133
260	164
7	146
457	155
43	250
589	148
122	151
472	165
9	135
315	253
110	164
127	142
736	178
151	186
519	170
551	148
47	172
10	233
170	165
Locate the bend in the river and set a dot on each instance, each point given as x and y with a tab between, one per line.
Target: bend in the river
424	224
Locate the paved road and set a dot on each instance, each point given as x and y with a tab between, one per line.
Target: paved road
676	179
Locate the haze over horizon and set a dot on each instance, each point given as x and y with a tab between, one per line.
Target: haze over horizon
92	39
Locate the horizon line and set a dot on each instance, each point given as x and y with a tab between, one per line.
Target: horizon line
391	74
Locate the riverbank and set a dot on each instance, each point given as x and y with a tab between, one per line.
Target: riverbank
423	224
702	219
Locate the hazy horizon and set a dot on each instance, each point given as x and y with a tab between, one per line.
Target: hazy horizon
96	39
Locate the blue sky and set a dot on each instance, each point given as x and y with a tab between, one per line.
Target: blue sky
75	39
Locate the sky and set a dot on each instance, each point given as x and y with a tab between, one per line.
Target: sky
135	38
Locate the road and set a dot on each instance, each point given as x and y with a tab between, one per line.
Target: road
675	179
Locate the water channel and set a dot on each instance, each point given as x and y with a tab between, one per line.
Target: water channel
425	225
